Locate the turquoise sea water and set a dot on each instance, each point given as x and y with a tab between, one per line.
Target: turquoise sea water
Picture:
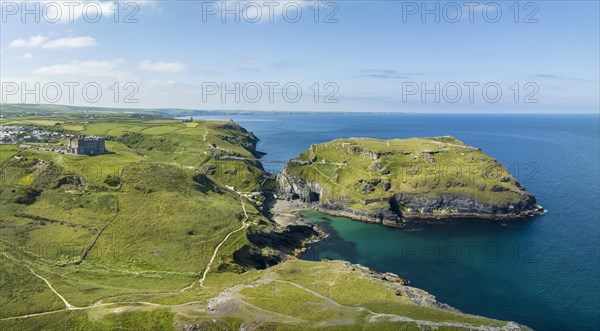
543	272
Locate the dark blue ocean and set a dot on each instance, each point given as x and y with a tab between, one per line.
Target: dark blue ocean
543	272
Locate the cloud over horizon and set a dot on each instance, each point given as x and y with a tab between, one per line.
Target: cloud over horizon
92	68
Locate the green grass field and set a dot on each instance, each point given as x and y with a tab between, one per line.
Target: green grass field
150	217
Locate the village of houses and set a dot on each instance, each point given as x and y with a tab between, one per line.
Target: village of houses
50	141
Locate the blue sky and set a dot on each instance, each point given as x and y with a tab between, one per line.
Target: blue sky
378	56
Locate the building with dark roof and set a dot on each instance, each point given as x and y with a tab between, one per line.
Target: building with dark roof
86	145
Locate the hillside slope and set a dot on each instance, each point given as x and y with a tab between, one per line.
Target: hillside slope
168	232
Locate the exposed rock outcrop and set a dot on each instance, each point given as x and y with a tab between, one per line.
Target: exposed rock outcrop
272	244
292	187
404	206
458	206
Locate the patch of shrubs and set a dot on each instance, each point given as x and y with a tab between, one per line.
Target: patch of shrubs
113	181
131	139
27	196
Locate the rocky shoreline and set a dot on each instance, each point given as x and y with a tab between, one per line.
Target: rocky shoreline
401	208
289	235
286	237
287	215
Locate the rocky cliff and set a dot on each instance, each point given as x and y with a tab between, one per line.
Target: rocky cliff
393	181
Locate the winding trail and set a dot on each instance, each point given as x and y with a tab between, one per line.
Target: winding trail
422	324
375	317
329	178
67	304
245	224
33	315
204	137
320	296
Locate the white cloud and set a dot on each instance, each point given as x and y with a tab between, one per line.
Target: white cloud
71	42
33	41
65	42
27	56
68	11
92	68
164	67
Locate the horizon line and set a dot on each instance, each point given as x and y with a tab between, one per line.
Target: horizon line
149	109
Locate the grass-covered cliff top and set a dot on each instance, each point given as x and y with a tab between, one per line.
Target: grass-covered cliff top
295	295
159	201
352	171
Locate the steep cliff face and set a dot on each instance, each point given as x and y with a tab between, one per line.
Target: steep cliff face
457	206
292	187
272	245
368	182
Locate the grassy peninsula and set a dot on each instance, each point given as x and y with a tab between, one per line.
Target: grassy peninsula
169	231
386	181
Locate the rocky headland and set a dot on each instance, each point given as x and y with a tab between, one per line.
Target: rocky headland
396	181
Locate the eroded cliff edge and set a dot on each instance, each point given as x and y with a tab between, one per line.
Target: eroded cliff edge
392	181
